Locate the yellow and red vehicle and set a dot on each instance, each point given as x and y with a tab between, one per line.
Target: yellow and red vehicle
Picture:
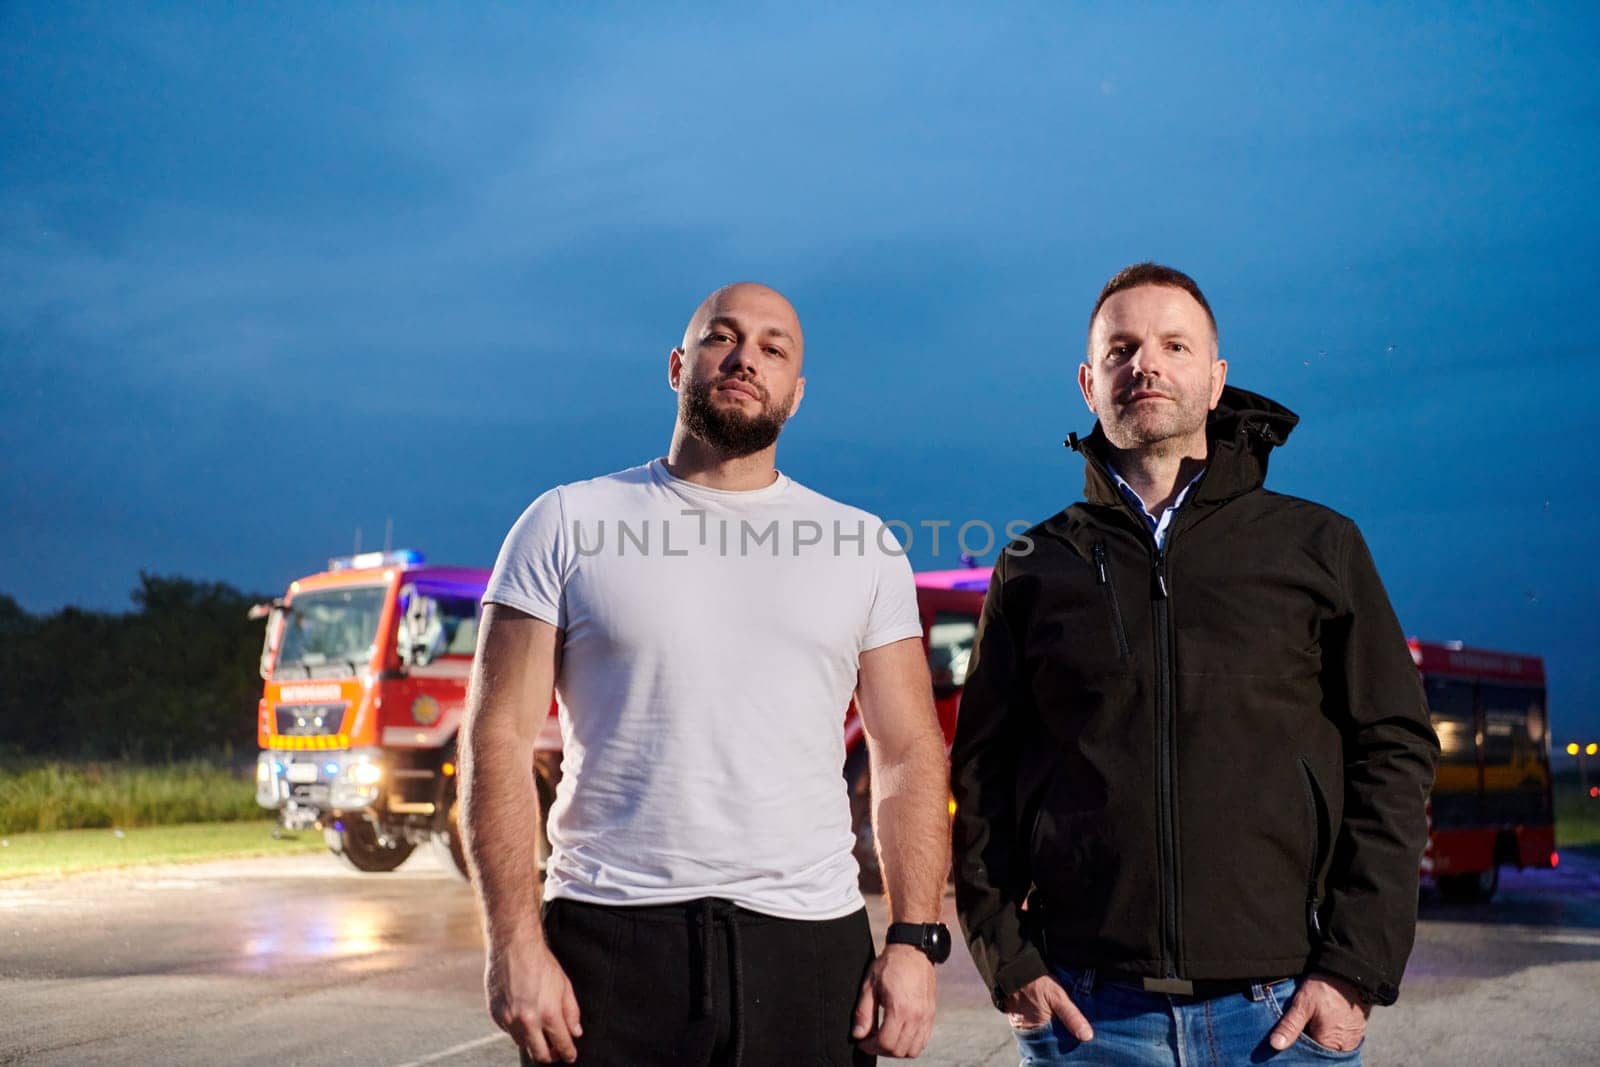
366	667
1492	804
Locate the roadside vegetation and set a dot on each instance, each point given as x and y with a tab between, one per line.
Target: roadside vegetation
68	851
39	796
1577	813
117	720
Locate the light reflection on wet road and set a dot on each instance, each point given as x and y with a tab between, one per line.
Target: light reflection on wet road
300	961
288	960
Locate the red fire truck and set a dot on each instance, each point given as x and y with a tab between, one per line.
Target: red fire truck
1492	804
366	668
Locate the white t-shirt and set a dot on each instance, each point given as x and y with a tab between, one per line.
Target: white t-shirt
712	641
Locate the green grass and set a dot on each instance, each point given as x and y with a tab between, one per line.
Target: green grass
1577	814
39	796
65	851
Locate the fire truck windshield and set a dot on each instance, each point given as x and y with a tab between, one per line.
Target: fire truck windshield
331	627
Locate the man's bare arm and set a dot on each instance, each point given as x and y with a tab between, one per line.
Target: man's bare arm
513	678
910	776
911	819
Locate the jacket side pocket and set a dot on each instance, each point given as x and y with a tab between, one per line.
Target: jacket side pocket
1318	833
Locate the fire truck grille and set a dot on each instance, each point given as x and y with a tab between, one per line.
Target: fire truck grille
303	720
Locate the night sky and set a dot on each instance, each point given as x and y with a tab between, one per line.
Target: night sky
271	275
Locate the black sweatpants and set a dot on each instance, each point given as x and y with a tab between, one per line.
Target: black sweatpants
710	983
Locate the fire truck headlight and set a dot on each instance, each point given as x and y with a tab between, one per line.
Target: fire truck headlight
356	785
263	772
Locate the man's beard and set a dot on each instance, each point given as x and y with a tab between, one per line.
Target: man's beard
1130	430
729	432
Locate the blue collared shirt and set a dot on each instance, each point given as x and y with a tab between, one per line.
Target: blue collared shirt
1158	526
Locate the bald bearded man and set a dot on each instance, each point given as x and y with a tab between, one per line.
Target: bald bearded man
705	621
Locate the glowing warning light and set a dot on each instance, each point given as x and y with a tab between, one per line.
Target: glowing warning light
952	806
1591	748
1555	860
1594	791
1572	748
448	768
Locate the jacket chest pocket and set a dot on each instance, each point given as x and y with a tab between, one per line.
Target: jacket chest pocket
1079	641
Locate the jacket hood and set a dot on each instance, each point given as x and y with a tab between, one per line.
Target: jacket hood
1243	430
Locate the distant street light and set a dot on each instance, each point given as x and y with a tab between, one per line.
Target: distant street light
1572	748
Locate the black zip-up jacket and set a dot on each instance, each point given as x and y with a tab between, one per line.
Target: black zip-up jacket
1207	762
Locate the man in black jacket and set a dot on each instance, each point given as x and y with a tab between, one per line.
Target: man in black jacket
1193	751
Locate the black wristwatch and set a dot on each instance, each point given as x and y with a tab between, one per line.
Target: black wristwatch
932	938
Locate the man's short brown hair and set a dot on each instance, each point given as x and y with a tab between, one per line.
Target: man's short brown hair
1152	274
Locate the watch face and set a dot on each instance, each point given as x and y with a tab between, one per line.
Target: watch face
932	939
936	942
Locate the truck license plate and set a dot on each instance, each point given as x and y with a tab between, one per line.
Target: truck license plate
301	772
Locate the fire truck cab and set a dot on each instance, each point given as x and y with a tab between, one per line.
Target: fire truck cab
366	667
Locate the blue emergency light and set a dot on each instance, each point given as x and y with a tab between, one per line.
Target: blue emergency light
362	560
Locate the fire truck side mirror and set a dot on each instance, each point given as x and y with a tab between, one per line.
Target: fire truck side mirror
274	613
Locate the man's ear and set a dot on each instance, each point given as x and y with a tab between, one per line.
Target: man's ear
675	368
1219	378
799	392
1086	384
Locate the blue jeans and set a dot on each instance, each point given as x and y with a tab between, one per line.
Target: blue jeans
1142	1029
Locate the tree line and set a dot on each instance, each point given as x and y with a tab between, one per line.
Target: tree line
174	678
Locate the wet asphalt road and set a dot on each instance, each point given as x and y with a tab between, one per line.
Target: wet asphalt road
299	961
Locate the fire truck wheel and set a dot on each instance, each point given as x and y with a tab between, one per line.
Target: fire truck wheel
453	854
858	780
360	848
446	845
1470	888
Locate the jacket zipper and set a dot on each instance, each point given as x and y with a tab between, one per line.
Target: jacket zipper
1165	729
1164	747
1118	630
1313	902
